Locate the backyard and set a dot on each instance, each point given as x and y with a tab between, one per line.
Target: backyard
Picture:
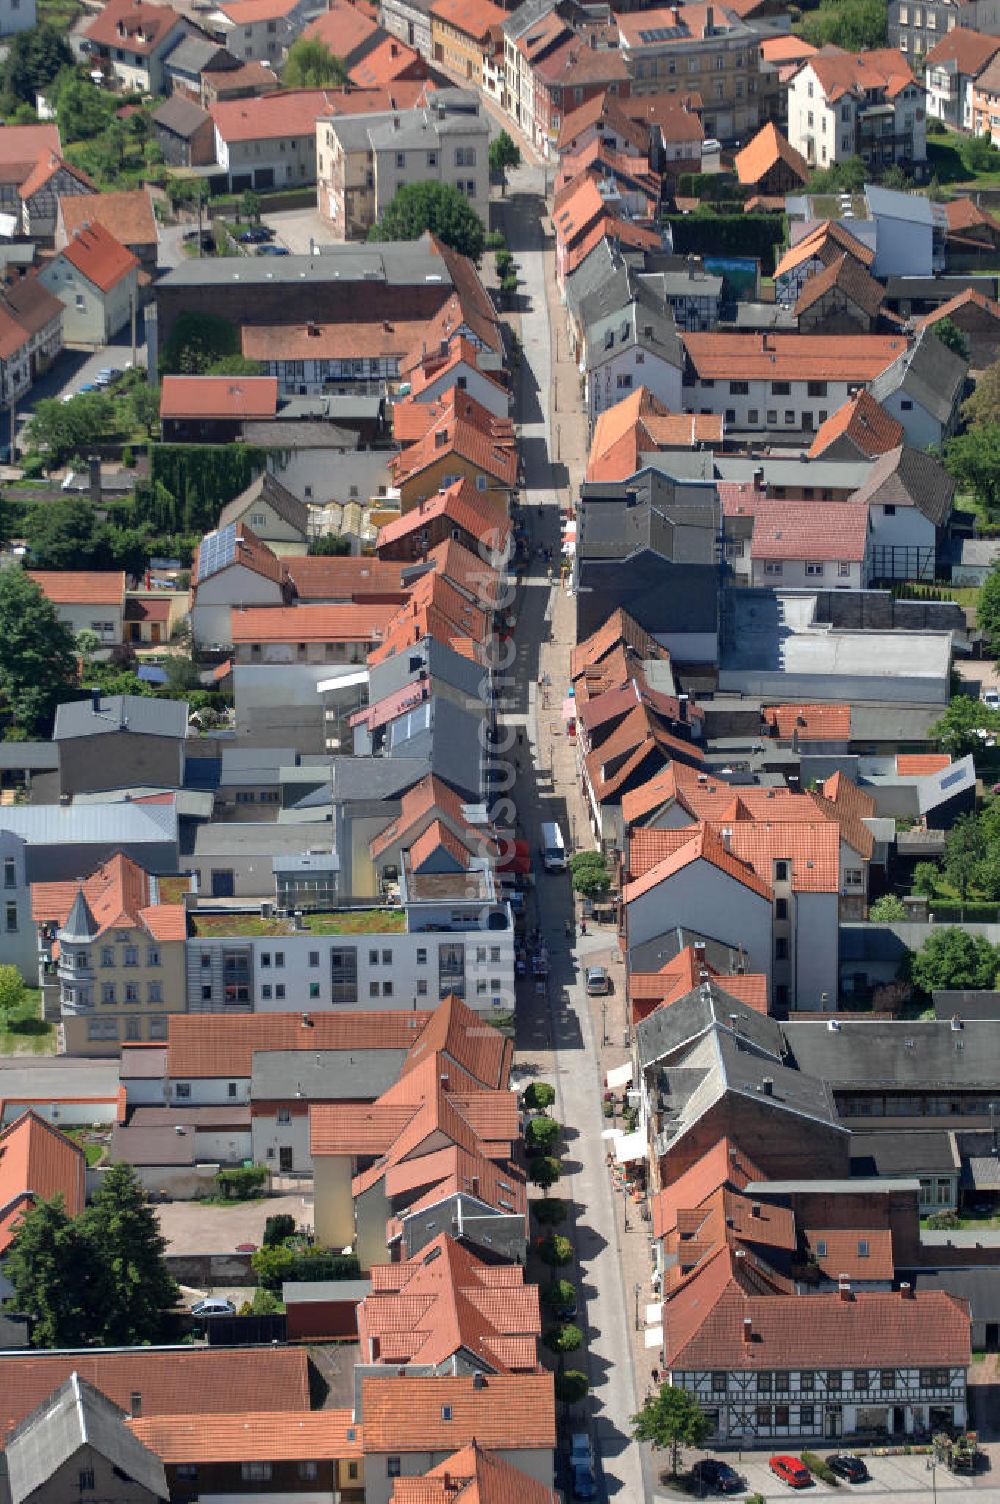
24	1031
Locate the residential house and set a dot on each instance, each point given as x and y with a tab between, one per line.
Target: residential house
372	156
463	34
232	567
129	40
794	382
184	132
636	344
307	633
128	216
923	388
481	1474
192	62
213	409
52	179
780	56
859	430
37	1163
410	20
915	29
154	616
952	67
388	63
372	57
685	971
587	211
629	434
675	130
841	299
97	280
39	314
985	91
269	141
602	118
817	249
868	105
279	519
458	512
702	49
120	741
248	81
972	235
415	1426
259	31
23	149
769	165
909	497
819	729
86	600
454	437
16	16
455	362
574	69
799	544
111	956
626	736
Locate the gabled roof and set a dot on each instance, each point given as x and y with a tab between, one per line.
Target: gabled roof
119	895
969	50
270	1436
620	628
765	151
390	62
76	587
825	241
883	70
205	1046
234	544
969	297
648	991
46	168
268	490
821	530
127	216
441	1414
180	115
724	1164
962	213
455	1031
473	1476
293	112
134	24
641	424
347	622
602	109
861	420
850	278
682	847
77	1416
860	1252
928	372
811	723
460	503
473	18
793	357
458	424
207	397
37	1162
97	255
907	477
841	800
22	146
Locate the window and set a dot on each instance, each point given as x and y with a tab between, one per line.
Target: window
108	992
764	1383
789	416
12	918
772	566
392	1467
887	1380
772	416
781	872
182	1091
421	988
284	1115
9	873
400	160
752	415
256	1472
861	1378
813	568
781	908
494	954
854	877
834	1380
279	991
816	388
843	569
373	958
889	511
387	989
764	1416
781	949
806	1417
265	992
155	990
781	1383
781	1415
373	989
86	1478
279	958
906	405
206	992
187	1471
807	1383
206	960
307	1471
432	159
131	956
344	974
421	956
313	991
781	388
739	388
730	415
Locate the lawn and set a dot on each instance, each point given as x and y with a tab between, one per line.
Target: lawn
25	1031
346	922
93	1142
947	166
59	13
941	590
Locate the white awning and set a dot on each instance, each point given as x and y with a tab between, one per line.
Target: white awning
653	1336
630	1147
654	1313
620	1075
343	681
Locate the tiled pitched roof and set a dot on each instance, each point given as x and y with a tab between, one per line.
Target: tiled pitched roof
30	304
207	397
246	12
786	49
620	628
681	848
650	990
473	1476
132	23
849	277
454	1030
917	764
812	723
969	297
170	1381
883	70
275	1436
638	736
474	18
766	150
825	241
37	1162
863	1253
294	112
356	1128
862	420
821	530
842	801
601	109
118	896
677	116
641	424
389	63
703	1327
207	1045
441	1414
962	213
22	146
457	424
311	623
968	49
77	587
248	553
723	1164
438	837
906	477
433	364
45	170
344	28
660	789
474	512
335	578
98	256
127	216
792	357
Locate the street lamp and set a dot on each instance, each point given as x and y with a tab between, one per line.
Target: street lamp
638	1323
604	1020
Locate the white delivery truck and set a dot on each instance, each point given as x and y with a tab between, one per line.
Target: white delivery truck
553	847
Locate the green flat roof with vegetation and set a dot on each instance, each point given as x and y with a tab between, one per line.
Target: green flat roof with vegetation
339	922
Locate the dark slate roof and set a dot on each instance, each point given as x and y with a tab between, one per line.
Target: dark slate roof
270	490
980	1286
668	1030
375	777
918	1054
180	115
928	372
193	54
904	1153
136	713
910	478
966	1004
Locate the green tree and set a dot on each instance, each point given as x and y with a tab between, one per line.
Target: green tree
438	207
265	1303
53	1273
925	879
272	1266
182	676
196	340
671	1419
135	1292
556	1251
311	65
539	1095
544	1170
330	544
37	654
505	155
951	958
854	25
60	429
983	405
144	408
64	534
82	110
549	1213
978	154
848	176
973	457
957	730
87	643
278	1228
964	849
951	336
988	606
572	1387
34	59
886	909
558	1295
234	365
567	1338
589	874
540	1134
250	207
11	990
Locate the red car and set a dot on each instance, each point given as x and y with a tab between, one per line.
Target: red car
791	1471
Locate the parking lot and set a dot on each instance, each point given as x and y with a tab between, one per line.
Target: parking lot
904	1480
194	1227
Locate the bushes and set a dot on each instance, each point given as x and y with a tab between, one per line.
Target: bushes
541	1134
728	235
539	1095
558	1295
566	1338
548	1213
819	1469
242	1184
943	1221
278	1228
294	1262
589	874
572	1386
544	1171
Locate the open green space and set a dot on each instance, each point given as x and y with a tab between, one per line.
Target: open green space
24	1031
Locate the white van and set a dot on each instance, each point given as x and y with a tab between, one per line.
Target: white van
553	848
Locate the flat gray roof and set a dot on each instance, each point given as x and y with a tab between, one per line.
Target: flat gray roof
399	263
296	1292
324	1075
246	838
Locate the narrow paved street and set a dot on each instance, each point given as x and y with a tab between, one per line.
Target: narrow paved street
554	1032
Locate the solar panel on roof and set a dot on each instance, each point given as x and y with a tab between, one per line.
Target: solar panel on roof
217	551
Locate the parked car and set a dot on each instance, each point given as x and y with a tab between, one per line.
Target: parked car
256	235
717	1477
106	375
791	1470
88	386
580	1451
273	250
846	1466
584	1482
709	145
598	981
213	1305
991	698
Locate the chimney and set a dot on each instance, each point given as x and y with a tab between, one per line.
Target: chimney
94	478
396	123
727	840
747	1329
906	1291
767	1086
95	699
709	21
844	1287
755	1210
682	707
376	1348
479	1379
699	952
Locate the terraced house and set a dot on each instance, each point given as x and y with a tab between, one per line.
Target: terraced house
703	49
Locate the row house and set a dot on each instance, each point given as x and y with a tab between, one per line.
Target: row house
450	439
630	434
923	389
841	299
52	180
809	545
868	105
985	92
915	26
33	331
633	345
569	76
457	363
464	33
458	514
952	69
859	430
703	49
782	382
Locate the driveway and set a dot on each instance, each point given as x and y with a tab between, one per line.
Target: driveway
299	229
193	1227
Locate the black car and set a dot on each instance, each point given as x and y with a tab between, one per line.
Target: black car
717	1477
257	235
846	1466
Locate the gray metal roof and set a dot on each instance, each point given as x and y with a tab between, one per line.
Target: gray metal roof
192	54
308	861
75	1416
89	824
966	1004
180	115
884	722
893	204
39	757
140	714
393	263
795	470
979	1285
342	407
323	1075
252	765
432	657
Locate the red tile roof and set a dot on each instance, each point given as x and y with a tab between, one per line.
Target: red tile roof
474	18
473	511
785	49
843	802
677	116
473	1476
862	420
862	74
847	276
694	19
127	216
170	1381
457	424
294	112
336	578
863	1253
37	1162
140	27
207	397
969	297
310	623
118	896
917	764
438	837
505	1412
821	530
46	168
344	28
620	629
812	723
391	62
766	150
77	587
641	424
824	241
962	213
98	256
454	1030
249	553
792	357
246	12
603	109
209	1045
724	1164
261	1436
649	990
22	146
681	848
969	50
